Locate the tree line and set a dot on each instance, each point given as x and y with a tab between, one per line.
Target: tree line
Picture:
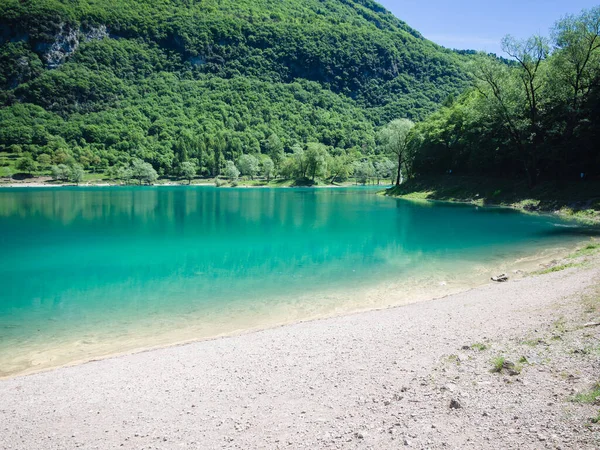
536	115
105	83
310	163
193	108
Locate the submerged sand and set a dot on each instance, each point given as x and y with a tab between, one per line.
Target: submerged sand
95	340
378	379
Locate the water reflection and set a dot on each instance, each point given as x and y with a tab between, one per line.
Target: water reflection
75	260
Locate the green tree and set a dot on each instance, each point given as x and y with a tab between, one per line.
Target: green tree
363	171
231	171
288	167
394	138
61	156
125	174
574	72
188	170
384	169
339	167
76	174
26	164
316	159
529	54
248	165
267	167
577	41
274	149
112	173
143	172
44	160
300	164
60	172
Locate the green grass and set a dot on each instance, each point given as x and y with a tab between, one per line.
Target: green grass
454	359
588	250
560	324
93	177
479	346
498	364
588	397
558	268
588	350
532	342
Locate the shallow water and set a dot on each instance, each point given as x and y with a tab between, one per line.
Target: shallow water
88	272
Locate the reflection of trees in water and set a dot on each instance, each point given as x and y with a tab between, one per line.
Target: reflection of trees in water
64	205
176	248
201	240
211	209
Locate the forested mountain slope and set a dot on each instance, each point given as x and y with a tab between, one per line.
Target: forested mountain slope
99	82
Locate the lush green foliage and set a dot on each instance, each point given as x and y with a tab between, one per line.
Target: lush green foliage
394	140
536	118
99	83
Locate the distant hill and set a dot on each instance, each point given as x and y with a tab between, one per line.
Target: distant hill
108	80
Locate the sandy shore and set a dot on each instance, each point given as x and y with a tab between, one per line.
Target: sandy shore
379	379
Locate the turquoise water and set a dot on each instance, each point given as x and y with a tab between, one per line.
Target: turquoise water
92	271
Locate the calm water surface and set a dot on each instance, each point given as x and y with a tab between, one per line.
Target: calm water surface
87	272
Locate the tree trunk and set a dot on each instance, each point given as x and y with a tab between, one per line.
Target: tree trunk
399	169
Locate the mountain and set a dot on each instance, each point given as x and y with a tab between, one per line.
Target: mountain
102	81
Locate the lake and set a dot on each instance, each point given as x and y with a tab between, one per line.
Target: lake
90	272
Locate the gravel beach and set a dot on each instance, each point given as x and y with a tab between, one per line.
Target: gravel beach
417	376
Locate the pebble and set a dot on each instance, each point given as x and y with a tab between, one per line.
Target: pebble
455	404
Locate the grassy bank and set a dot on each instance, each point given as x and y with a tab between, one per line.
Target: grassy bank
576	200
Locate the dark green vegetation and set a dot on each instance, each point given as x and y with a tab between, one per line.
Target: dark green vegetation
302	90
578	199
525	135
590	396
100	84
536	118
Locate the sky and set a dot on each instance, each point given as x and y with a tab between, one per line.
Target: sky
480	25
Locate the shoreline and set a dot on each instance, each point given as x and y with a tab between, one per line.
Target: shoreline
416	195
575	201
379	378
239	186
201	183
397	297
